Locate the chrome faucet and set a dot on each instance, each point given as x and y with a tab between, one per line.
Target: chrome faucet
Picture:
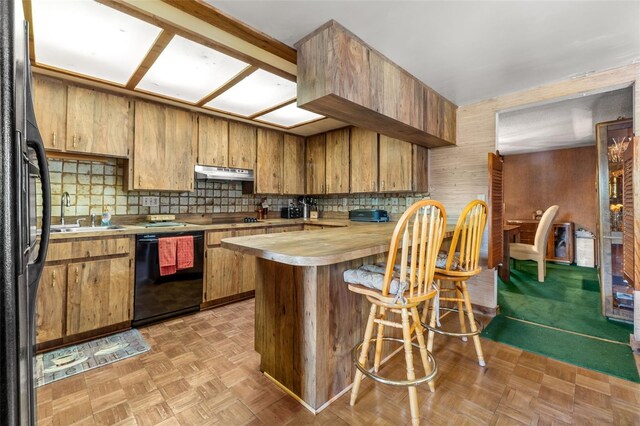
65	201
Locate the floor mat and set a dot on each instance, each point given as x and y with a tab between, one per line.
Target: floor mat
65	362
614	359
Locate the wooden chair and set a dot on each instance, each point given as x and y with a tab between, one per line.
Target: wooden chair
537	251
462	263
417	236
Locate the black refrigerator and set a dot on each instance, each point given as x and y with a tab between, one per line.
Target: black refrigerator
24	234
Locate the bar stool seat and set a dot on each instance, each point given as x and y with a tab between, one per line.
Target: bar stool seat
399	288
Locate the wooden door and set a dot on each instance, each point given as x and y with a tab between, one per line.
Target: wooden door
242	146
98	294
315	161
364	160
180	147
50	105
149	156
293	165
269	162
496	211
420	169
81	105
628	251
247	263
116	136
337	161
213	141
222	274
51	303
395	165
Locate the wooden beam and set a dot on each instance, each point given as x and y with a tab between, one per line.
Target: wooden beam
228	85
202	32
219	19
158	46
28	16
273	108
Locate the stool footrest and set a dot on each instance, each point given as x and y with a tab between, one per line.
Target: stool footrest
479	326
378	378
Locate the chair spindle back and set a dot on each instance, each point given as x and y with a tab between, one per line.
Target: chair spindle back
467	237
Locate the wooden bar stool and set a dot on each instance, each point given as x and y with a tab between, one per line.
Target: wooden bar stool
451	275
400	289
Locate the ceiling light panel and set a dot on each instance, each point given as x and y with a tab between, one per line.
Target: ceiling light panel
289	116
258	92
89	38
189	71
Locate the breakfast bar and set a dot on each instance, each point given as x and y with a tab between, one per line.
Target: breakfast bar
307	321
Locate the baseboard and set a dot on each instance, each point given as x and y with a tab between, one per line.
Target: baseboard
227	300
635	344
483	310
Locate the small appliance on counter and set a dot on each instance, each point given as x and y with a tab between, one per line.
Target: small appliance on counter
306	205
290	212
368	215
161	220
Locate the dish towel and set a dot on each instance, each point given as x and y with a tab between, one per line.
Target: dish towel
167	256
184	250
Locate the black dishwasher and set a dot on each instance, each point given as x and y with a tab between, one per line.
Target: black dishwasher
159	297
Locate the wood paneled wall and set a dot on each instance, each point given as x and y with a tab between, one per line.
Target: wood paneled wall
459	174
565	177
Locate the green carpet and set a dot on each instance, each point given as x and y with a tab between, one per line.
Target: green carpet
569	299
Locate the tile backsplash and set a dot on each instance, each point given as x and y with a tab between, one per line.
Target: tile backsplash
99	186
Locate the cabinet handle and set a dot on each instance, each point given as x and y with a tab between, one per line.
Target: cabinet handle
139	180
77	275
222	159
233	161
74	142
53	139
322	188
53	279
382	185
373	185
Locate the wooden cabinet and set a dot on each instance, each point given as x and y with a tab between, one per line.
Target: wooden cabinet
395	165
315	161
247	263
98	123
364	160
51	302
420	169
285	228
270	162
293	165
242	146
164	149
213	141
50	105
222	274
337	161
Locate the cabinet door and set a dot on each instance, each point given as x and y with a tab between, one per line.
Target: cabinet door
315	160
337	161
98	294
242	146
269	162
180	146
420	169
221	275
81	109
364	160
213	141
395	165
293	165
51	303
50	105
247	266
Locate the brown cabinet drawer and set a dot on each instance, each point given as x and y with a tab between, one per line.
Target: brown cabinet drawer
214	237
81	249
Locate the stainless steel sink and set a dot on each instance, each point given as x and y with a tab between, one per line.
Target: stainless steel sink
72	229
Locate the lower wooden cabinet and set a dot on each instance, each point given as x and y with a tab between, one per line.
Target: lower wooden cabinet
51	303
221	274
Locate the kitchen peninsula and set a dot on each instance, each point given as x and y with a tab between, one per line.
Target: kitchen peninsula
307	321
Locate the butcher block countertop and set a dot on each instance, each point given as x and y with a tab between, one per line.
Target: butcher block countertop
318	248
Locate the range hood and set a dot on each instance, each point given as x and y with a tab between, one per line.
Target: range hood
224	173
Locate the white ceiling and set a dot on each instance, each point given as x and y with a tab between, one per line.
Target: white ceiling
564	124
468	51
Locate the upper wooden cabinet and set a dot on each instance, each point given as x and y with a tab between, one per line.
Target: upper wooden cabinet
242	146
337	161
213	141
420	169
293	165
342	77
269	167
315	161
164	149
364	160
50	105
98	123
395	165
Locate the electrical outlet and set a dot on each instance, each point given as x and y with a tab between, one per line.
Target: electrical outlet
150	201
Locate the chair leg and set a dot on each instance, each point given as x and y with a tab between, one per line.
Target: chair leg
463	325
423	348
380	335
363	353
472	324
432	324
411	375
541	270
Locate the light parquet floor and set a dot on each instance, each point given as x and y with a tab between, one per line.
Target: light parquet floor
202	370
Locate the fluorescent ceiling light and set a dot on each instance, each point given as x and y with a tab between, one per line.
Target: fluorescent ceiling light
289	116
258	92
89	38
189	71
